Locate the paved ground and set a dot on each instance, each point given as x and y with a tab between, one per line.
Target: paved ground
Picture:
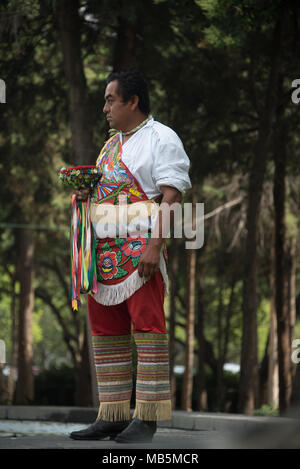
14	437
164	438
48	428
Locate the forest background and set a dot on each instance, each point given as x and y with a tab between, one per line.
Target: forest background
221	75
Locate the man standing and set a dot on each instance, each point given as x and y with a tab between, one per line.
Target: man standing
142	164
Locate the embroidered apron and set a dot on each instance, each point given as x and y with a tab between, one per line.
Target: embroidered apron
118	206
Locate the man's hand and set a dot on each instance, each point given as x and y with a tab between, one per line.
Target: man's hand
149	261
82	194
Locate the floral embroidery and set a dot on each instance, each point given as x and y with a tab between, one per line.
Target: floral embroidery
118	257
134	246
108	265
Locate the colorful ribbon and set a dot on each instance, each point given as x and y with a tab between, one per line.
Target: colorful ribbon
83	251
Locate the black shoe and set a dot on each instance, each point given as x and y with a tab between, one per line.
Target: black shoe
100	430
139	431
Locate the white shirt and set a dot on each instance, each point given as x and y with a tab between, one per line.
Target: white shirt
156	157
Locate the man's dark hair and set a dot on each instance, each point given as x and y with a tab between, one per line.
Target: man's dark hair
132	82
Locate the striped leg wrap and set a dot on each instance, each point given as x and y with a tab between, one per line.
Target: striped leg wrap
153	395
113	362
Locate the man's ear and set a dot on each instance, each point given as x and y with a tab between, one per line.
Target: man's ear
134	102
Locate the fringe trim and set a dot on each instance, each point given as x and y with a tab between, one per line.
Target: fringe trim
114	411
114	294
158	410
164	273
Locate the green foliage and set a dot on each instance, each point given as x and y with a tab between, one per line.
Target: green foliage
233	22
267	411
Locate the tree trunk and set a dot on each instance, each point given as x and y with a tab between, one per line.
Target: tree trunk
295	398
263	375
124	45
14	343
292	313
222	340
273	383
248	392
25	383
79	106
94	400
82	138
187	385
219	344
86	385
282	310
201	384
229	313
173	289
291	289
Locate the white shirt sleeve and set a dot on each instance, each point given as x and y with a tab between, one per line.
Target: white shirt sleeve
171	165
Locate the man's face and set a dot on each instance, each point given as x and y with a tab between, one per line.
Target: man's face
117	112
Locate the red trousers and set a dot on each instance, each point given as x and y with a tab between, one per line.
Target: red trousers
144	309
